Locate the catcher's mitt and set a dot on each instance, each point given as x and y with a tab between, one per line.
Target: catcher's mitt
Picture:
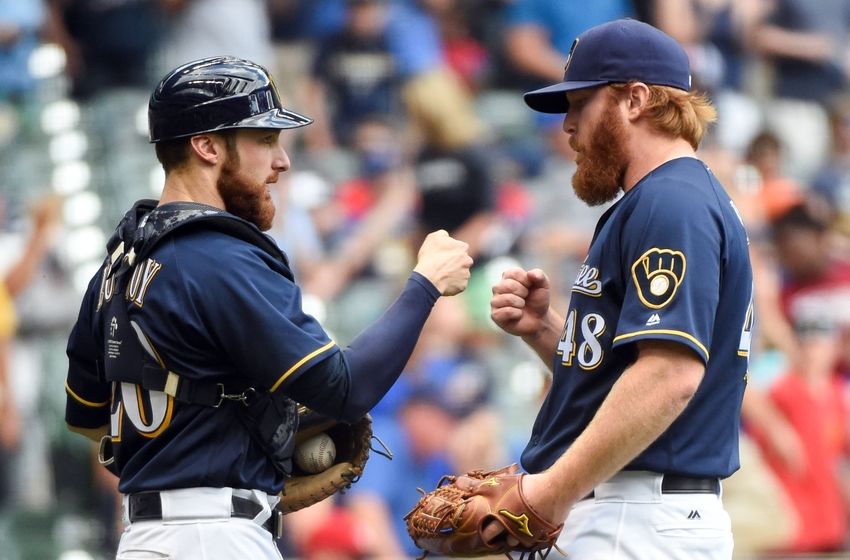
353	443
478	514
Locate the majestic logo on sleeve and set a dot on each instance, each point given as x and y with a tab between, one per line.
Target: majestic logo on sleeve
657	275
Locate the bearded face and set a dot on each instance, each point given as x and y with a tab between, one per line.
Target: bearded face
243	195
601	161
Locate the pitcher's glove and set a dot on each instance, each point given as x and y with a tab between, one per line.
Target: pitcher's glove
353	443
479	514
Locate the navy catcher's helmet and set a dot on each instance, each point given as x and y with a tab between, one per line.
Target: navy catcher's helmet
216	93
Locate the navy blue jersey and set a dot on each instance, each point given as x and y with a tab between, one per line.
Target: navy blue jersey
208	306
668	261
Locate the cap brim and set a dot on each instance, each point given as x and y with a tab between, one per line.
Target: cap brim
551	99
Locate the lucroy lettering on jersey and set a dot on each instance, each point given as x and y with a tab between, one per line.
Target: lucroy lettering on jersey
653	270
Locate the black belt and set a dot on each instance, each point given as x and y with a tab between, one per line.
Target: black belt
146	506
675	484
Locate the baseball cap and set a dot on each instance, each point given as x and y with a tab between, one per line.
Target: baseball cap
618	51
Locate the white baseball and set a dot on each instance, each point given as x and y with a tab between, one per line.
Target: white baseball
315	454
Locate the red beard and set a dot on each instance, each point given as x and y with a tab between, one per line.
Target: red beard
601	166
243	198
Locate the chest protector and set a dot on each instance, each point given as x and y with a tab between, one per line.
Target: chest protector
270	418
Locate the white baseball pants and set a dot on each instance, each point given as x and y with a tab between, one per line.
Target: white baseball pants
197	525
629	518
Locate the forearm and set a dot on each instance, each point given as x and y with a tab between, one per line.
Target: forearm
347	385
379	354
529	50
545	342
19	276
389	212
776	41
642	404
318	136
678	20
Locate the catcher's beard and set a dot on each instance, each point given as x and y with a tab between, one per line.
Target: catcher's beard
601	165
244	197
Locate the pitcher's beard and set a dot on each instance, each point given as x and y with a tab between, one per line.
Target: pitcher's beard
601	166
249	201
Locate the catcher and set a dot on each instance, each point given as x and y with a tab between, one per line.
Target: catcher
191	347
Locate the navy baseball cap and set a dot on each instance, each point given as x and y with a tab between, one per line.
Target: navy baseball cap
616	52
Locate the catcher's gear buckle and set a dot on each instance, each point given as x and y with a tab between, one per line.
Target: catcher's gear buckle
242	397
277	524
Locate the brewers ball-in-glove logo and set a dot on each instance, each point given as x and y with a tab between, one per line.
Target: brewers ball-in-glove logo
657	274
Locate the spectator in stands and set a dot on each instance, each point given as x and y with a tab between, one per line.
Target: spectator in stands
107	44
425	421
816	285
45	219
807	43
200	28
831	185
809	394
365	212
714	34
20	23
111	49
455	178
464	54
777	192
354	75
538	36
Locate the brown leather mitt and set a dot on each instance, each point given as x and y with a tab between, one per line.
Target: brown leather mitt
478	514
353	443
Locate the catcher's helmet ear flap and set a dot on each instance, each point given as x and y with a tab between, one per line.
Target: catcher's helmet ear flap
216	93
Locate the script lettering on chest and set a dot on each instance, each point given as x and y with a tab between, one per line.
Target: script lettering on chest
587	282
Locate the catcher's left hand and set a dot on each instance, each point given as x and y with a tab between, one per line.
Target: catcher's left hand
478	514
353	443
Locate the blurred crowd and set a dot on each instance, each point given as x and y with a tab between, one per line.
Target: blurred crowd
420	125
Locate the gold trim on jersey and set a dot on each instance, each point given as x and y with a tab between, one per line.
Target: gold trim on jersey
81	400
682	334
300	363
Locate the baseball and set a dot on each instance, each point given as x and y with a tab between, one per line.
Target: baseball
315	454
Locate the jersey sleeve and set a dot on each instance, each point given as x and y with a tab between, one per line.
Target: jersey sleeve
87	396
253	313
671	263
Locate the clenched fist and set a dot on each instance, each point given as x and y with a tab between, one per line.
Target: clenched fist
444	261
520	301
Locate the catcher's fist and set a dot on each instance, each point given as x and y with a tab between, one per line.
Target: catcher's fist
444	261
520	301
